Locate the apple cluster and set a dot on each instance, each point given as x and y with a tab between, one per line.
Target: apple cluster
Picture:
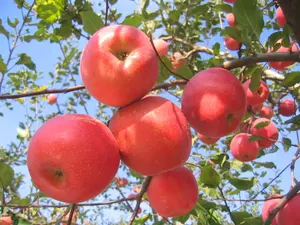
73	157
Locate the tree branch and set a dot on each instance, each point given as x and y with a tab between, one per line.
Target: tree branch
71	214
228	208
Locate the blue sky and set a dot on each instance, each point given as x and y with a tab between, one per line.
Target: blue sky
45	56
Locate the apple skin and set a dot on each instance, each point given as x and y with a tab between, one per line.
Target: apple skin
266	112
257	107
287	107
110	78
229	1
280	17
268	207
6	220
52	99
242	149
161	47
72	158
230	19
174	193
214	102
207	140
153	135
232	44
289	214
282	65
259	95
270	131
177	61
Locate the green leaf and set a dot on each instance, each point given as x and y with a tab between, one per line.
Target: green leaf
6	175
286	144
19	201
253	220
185	71
232	32
294	120
19	3
163	72
262	124
206	204
65	30
23	222
256	138
3	30
91	21
133	20
3	67
220	7
210	177
50	10
239	217
269	165
26	60
255	81
243	183
142	220
291	79
248	15
12	24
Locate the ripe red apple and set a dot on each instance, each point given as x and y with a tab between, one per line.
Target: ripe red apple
161	47
243	149
266	112
52	98
290	215
73	158
232	44
153	135
259	95
280	18
257	107
177	60
214	102
230	19
287	107
270	132
207	140
229	1
268	207
174	193
6	220
118	65
282	65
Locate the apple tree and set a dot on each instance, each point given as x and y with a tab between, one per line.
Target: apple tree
149	112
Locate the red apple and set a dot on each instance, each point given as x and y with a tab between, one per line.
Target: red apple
161	47
52	98
207	140
232	44
229	1
73	158
243	149
214	102
257	107
139	211
270	132
132	196
174	193
268	207
280	18
244	127
230	19
282	65
290	215
266	112
287	107
153	135
259	95
118	65
6	220
177	60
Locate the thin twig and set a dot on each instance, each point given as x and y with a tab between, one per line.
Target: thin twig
106	12
71	214
228	208
139	199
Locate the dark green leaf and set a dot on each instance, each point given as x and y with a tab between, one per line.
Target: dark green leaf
3	30
239	217
255	81
19	3
221	7
65	30
269	165
255	138
253	220
91	21
199	10
26	60
3	67
6	175
262	124
163	72
206	204
210	177
294	120
286	144
19	201
185	72
291	79
232	32
12	24
243	183
135	20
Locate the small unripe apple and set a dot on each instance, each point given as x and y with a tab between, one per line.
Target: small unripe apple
287	107
6	220
230	19
270	132
72	158
214	102
177	60
52	98
174	193
207	140
161	47
266	112
153	135
280	17
243	149
268	207
232	44
289	214
259	95
281	65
